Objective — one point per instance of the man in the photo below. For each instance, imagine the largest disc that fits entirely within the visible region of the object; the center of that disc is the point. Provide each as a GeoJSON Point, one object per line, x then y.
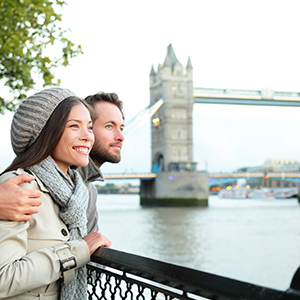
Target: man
{"type": "Point", "coordinates": [108, 127]}
{"type": "Point", "coordinates": [18, 204]}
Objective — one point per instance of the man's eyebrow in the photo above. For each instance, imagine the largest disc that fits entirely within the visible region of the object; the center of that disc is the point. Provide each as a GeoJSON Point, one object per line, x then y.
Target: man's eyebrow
{"type": "Point", "coordinates": [114, 123]}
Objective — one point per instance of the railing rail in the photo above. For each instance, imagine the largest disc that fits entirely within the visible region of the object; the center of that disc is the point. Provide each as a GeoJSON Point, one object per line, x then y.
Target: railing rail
{"type": "Point", "coordinates": [118, 275]}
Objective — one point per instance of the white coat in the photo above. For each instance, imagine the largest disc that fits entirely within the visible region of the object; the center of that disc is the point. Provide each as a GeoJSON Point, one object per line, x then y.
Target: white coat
{"type": "Point", "coordinates": [30, 266]}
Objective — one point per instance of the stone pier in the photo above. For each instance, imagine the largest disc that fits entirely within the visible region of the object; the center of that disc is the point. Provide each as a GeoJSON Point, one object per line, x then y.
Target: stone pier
{"type": "Point", "coordinates": [175, 189]}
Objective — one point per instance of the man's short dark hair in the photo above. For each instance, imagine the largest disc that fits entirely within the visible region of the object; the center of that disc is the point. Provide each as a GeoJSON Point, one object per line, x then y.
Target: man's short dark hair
{"type": "Point", "coordinates": [106, 97]}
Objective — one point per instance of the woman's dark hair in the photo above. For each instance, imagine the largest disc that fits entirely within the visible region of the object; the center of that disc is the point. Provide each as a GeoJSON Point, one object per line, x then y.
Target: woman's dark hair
{"type": "Point", "coordinates": [49, 136]}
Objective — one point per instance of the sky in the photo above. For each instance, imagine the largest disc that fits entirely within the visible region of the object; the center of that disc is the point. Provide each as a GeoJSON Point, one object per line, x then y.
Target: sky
{"type": "Point", "coordinates": [232, 44]}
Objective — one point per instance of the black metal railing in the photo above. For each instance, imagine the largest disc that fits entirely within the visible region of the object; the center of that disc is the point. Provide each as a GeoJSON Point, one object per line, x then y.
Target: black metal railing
{"type": "Point", "coordinates": [118, 275]}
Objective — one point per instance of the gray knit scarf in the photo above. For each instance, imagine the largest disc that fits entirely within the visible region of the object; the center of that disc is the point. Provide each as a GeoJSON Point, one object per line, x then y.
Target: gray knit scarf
{"type": "Point", "coordinates": [72, 197]}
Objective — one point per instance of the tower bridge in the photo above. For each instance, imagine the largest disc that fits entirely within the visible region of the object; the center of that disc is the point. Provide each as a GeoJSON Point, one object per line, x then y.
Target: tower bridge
{"type": "Point", "coordinates": [172, 132]}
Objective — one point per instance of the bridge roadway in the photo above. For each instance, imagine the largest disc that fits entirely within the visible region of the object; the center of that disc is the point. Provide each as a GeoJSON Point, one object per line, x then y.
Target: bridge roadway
{"type": "Point", "coordinates": [265, 97]}
{"type": "Point", "coordinates": [145, 176]}
{"type": "Point", "coordinates": [217, 179]}
{"type": "Point", "coordinates": [152, 176]}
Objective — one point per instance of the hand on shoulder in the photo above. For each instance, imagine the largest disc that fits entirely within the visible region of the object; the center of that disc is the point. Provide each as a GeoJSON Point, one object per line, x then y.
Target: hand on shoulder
{"type": "Point", "coordinates": [17, 203]}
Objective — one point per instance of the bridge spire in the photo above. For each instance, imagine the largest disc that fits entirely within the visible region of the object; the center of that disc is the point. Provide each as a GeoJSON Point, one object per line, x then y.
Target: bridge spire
{"type": "Point", "coordinates": [189, 69]}
{"type": "Point", "coordinates": [189, 64]}
{"type": "Point", "coordinates": [152, 72]}
{"type": "Point", "coordinates": [172, 56]}
{"type": "Point", "coordinates": [152, 76]}
{"type": "Point", "coordinates": [167, 62]}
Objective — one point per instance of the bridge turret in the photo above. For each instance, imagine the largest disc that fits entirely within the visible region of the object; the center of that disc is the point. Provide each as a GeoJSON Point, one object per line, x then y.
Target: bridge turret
{"type": "Point", "coordinates": [172, 140]}
{"type": "Point", "coordinates": [152, 76]}
{"type": "Point", "coordinates": [189, 69]}
{"type": "Point", "coordinates": [166, 70]}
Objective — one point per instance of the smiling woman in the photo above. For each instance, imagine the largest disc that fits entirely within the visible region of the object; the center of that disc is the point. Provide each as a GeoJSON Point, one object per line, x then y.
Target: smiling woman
{"type": "Point", "coordinates": [76, 141]}
{"type": "Point", "coordinates": [43, 131]}
{"type": "Point", "coordinates": [51, 131]}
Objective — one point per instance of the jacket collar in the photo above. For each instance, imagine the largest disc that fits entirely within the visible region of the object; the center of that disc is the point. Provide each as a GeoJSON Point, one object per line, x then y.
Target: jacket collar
{"type": "Point", "coordinates": [40, 184]}
{"type": "Point", "coordinates": [90, 173]}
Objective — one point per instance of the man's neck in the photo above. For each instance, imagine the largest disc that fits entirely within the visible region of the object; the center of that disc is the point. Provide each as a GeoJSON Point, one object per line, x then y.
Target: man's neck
{"type": "Point", "coordinates": [98, 164]}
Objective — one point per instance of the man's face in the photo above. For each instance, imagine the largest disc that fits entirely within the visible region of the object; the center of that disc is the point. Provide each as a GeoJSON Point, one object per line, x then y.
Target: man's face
{"type": "Point", "coordinates": [108, 129]}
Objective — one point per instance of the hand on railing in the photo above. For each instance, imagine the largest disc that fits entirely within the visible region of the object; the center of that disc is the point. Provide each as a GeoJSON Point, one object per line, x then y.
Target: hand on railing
{"type": "Point", "coordinates": [95, 239]}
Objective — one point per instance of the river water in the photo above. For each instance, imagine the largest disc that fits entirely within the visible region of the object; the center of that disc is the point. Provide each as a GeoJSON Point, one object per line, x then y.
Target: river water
{"type": "Point", "coordinates": [253, 240]}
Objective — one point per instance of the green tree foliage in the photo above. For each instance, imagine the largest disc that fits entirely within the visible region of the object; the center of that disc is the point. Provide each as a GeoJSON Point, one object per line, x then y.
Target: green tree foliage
{"type": "Point", "coordinates": [29, 29]}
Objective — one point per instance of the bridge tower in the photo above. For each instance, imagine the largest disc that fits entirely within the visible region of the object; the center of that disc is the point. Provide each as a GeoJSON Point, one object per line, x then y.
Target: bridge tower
{"type": "Point", "coordinates": [177, 181]}
{"type": "Point", "coordinates": [172, 133]}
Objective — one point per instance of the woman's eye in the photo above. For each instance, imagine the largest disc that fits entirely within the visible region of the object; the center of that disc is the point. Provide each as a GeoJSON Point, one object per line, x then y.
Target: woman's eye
{"type": "Point", "coordinates": [109, 126]}
{"type": "Point", "coordinates": [74, 125]}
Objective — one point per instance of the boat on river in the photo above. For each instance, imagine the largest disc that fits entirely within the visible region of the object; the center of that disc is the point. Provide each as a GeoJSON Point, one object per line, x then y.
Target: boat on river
{"type": "Point", "coordinates": [261, 193]}
{"type": "Point", "coordinates": [246, 193]}
{"type": "Point", "coordinates": [280, 193]}
{"type": "Point", "coordinates": [234, 193]}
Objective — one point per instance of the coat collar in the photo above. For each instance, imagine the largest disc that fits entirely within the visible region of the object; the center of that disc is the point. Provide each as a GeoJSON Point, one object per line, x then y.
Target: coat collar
{"type": "Point", "coordinates": [90, 173]}
{"type": "Point", "coordinates": [40, 184]}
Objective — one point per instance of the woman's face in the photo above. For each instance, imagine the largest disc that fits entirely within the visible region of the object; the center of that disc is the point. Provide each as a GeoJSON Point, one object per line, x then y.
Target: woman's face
{"type": "Point", "coordinates": [77, 140]}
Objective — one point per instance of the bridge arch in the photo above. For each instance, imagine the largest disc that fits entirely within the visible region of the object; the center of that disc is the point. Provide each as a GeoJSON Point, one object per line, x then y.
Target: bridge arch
{"type": "Point", "coordinates": [159, 163]}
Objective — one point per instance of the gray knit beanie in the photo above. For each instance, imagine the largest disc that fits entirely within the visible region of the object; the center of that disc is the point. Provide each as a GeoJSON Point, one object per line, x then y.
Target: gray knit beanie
{"type": "Point", "coordinates": [32, 115]}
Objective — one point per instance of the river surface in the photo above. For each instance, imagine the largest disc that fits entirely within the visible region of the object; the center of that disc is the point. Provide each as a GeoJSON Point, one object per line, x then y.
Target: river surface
{"type": "Point", "coordinates": [253, 240]}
